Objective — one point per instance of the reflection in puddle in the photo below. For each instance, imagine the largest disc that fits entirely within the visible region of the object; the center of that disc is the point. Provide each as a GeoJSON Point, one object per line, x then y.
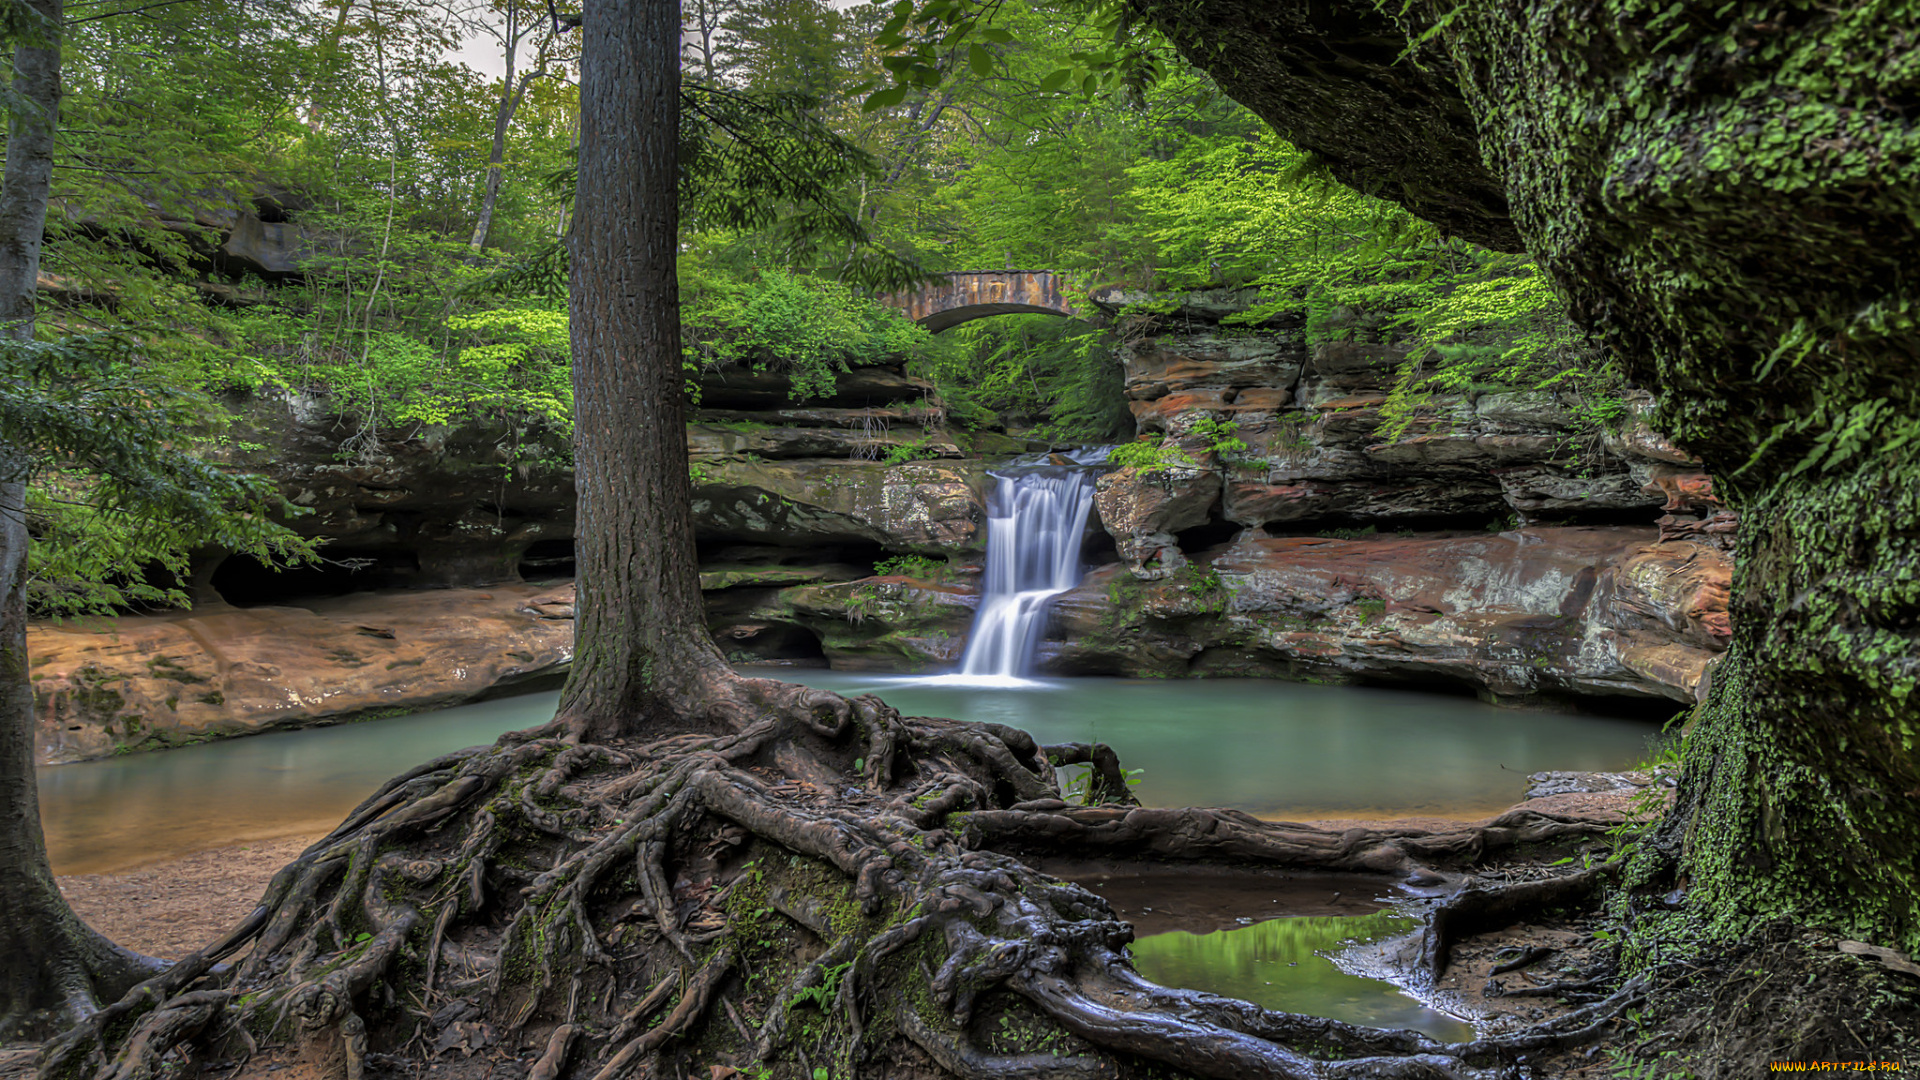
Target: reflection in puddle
{"type": "Point", "coordinates": [1274, 964]}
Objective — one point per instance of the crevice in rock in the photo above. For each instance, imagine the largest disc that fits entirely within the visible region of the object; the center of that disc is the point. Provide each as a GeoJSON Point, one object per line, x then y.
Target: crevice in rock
{"type": "Point", "coordinates": [1634, 516]}
{"type": "Point", "coordinates": [243, 581]}
{"type": "Point", "coordinates": [784, 643]}
{"type": "Point", "coordinates": [547, 560]}
{"type": "Point", "coordinates": [1214, 532]}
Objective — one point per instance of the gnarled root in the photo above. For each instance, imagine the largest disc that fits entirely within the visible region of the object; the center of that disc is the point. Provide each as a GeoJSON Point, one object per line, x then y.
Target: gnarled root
{"type": "Point", "coordinates": [1475, 910]}
{"type": "Point", "coordinates": [821, 888]}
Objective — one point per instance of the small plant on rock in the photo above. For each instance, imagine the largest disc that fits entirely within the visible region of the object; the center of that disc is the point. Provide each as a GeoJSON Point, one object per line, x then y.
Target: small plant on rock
{"type": "Point", "coordinates": [1151, 455]}
{"type": "Point", "coordinates": [901, 453]}
{"type": "Point", "coordinates": [911, 566]}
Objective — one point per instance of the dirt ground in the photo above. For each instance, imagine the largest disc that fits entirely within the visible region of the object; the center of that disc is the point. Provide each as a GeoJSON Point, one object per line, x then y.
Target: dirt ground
{"type": "Point", "coordinates": [169, 909]}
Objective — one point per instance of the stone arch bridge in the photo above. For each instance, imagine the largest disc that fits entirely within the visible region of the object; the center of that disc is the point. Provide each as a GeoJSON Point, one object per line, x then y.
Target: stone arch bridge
{"type": "Point", "coordinates": [964, 297]}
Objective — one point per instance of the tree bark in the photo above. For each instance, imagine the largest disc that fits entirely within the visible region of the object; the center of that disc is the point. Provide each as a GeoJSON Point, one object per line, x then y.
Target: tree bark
{"type": "Point", "coordinates": [511, 93]}
{"type": "Point", "coordinates": [53, 968]}
{"type": "Point", "coordinates": [645, 660]}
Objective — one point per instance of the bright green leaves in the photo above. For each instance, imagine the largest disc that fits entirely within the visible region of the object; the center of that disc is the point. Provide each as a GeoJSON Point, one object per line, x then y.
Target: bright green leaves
{"type": "Point", "coordinates": [515, 359]}
{"type": "Point", "coordinates": [1061, 371]}
{"type": "Point", "coordinates": [807, 328]}
{"type": "Point", "coordinates": [1151, 455]}
{"type": "Point", "coordinates": [926, 42]}
{"type": "Point", "coordinates": [112, 453]}
{"type": "Point", "coordinates": [886, 99]}
{"type": "Point", "coordinates": [980, 59]}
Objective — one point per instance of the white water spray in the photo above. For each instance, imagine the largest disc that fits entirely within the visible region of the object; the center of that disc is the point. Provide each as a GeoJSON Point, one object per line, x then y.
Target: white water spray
{"type": "Point", "coordinates": [1035, 522]}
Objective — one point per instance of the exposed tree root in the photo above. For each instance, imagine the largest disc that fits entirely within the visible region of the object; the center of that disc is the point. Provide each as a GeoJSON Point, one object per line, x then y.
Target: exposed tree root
{"type": "Point", "coordinates": [1475, 910]}
{"type": "Point", "coordinates": [822, 888]}
{"type": "Point", "coordinates": [1052, 826]}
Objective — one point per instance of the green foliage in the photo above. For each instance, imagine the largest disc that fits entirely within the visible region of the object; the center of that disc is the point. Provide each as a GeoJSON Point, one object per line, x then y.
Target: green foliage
{"type": "Point", "coordinates": [1259, 213]}
{"type": "Point", "coordinates": [1150, 455]}
{"type": "Point", "coordinates": [821, 996]}
{"type": "Point", "coordinates": [1222, 437]}
{"type": "Point", "coordinates": [106, 445]}
{"type": "Point", "coordinates": [764, 174]}
{"type": "Point", "coordinates": [901, 453]}
{"type": "Point", "coordinates": [808, 328]}
{"type": "Point", "coordinates": [1081, 783]}
{"type": "Point", "coordinates": [488, 361]}
{"type": "Point", "coordinates": [1061, 372]}
{"type": "Point", "coordinates": [919, 567]}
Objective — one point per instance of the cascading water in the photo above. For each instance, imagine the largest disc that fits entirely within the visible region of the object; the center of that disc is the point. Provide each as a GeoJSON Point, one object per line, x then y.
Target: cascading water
{"type": "Point", "coordinates": [1035, 522]}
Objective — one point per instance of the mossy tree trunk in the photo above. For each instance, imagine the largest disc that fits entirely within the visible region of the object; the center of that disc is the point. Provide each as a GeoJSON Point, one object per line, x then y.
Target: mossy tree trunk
{"type": "Point", "coordinates": [1729, 197]}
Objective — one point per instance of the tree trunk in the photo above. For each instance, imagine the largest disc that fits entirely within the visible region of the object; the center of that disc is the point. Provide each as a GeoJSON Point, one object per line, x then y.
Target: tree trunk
{"type": "Point", "coordinates": [53, 969]}
{"type": "Point", "coordinates": [510, 94]}
{"type": "Point", "coordinates": [645, 660]}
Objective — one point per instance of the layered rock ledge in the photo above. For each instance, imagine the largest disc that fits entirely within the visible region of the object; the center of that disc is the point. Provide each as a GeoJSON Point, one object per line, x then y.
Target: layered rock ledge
{"type": "Point", "coordinates": [112, 685]}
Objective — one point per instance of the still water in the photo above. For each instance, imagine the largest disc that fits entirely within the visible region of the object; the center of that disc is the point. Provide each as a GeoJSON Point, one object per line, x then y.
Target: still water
{"type": "Point", "coordinates": [1216, 930]}
{"type": "Point", "coordinates": [1280, 749]}
{"type": "Point", "coordinates": [1280, 964]}
{"type": "Point", "coordinates": [1271, 748]}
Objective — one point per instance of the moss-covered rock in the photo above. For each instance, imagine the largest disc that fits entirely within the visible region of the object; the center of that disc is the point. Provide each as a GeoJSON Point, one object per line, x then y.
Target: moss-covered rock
{"type": "Point", "coordinates": [886, 623]}
{"type": "Point", "coordinates": [1728, 196]}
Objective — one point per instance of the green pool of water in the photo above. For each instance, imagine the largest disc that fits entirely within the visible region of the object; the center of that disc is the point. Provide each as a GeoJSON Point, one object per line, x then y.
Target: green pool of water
{"type": "Point", "coordinates": [1283, 749]}
{"type": "Point", "coordinates": [1271, 748]}
{"type": "Point", "coordinates": [1277, 964]}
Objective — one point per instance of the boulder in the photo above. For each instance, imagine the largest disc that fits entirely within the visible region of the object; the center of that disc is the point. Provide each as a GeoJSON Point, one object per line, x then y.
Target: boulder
{"type": "Point", "coordinates": [707, 442]}
{"type": "Point", "coordinates": [922, 506]}
{"type": "Point", "coordinates": [883, 623]}
{"type": "Point", "coordinates": [447, 505]}
{"type": "Point", "coordinates": [861, 388]}
{"type": "Point", "coordinates": [1142, 509]}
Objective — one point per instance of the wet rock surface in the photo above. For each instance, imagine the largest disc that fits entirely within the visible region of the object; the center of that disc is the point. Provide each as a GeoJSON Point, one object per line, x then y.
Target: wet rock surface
{"type": "Point", "coordinates": [1543, 785]}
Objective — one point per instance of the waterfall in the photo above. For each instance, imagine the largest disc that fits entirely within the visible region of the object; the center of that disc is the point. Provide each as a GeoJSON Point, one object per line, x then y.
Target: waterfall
{"type": "Point", "coordinates": [1035, 522]}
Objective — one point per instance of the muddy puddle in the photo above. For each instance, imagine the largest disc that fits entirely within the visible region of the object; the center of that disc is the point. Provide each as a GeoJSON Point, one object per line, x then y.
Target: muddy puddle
{"type": "Point", "coordinates": [1266, 938]}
